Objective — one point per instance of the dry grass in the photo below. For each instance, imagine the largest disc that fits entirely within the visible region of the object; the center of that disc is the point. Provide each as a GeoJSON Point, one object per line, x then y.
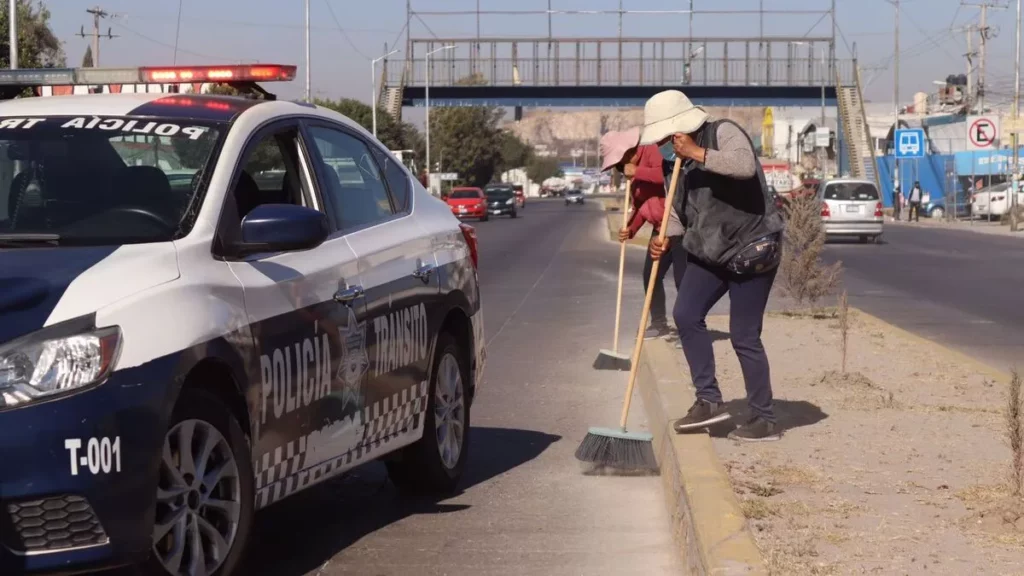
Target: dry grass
{"type": "Point", "coordinates": [844, 325]}
{"type": "Point", "coordinates": [1015, 434]}
{"type": "Point", "coordinates": [802, 275]}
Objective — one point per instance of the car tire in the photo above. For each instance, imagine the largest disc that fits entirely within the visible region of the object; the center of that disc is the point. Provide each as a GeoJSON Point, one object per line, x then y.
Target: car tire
{"type": "Point", "coordinates": [421, 467]}
{"type": "Point", "coordinates": [202, 415]}
{"type": "Point", "coordinates": [937, 213]}
{"type": "Point", "coordinates": [513, 214]}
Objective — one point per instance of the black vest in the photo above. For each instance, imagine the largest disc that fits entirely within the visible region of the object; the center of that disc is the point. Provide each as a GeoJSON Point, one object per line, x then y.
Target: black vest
{"type": "Point", "coordinates": [722, 215]}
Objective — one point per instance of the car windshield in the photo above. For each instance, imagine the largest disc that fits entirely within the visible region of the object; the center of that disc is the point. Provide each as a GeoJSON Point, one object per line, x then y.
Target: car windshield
{"type": "Point", "coordinates": [463, 194]}
{"type": "Point", "coordinates": [101, 180]}
{"type": "Point", "coordinates": [850, 191]}
{"type": "Point", "coordinates": [498, 194]}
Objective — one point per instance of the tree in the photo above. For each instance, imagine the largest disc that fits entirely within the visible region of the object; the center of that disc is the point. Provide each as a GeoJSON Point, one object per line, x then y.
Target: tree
{"type": "Point", "coordinates": [802, 274]}
{"type": "Point", "coordinates": [467, 140]}
{"type": "Point", "coordinates": [38, 46]}
{"type": "Point", "coordinates": [542, 168]}
{"type": "Point", "coordinates": [87, 59]}
{"type": "Point", "coordinates": [514, 152]}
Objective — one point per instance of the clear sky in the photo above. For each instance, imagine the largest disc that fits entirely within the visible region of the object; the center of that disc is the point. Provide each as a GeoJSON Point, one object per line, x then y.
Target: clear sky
{"type": "Point", "coordinates": [215, 31]}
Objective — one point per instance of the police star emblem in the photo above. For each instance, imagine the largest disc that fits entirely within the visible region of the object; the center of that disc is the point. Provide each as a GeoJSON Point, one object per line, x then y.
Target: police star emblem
{"type": "Point", "coordinates": [354, 360]}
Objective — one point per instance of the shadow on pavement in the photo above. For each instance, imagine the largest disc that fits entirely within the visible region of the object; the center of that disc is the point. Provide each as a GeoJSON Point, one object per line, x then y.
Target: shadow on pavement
{"type": "Point", "coordinates": [302, 533]}
{"type": "Point", "coordinates": [790, 413]}
{"type": "Point", "coordinates": [715, 335]}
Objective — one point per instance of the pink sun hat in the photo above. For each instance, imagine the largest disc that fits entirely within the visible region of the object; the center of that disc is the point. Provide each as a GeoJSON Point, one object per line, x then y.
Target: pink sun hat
{"type": "Point", "coordinates": [614, 146]}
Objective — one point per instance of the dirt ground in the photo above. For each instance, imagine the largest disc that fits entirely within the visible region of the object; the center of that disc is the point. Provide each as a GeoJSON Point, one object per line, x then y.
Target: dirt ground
{"type": "Point", "coordinates": [898, 466]}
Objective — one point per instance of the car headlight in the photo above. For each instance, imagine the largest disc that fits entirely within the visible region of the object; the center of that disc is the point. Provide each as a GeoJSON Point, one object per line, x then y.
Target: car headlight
{"type": "Point", "coordinates": [510, 201]}
{"type": "Point", "coordinates": [37, 366]}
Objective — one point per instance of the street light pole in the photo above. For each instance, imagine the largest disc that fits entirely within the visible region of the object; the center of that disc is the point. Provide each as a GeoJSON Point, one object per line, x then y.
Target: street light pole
{"type": "Point", "coordinates": [308, 76]}
{"type": "Point", "coordinates": [373, 86]}
{"type": "Point", "coordinates": [12, 16]}
{"type": "Point", "coordinates": [426, 99]}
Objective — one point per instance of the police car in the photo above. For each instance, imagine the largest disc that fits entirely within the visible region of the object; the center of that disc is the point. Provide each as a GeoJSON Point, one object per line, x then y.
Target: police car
{"type": "Point", "coordinates": [207, 305]}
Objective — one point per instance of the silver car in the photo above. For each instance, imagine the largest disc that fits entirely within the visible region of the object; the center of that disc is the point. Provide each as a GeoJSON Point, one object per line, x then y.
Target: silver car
{"type": "Point", "coordinates": [851, 208]}
{"type": "Point", "coordinates": [574, 197]}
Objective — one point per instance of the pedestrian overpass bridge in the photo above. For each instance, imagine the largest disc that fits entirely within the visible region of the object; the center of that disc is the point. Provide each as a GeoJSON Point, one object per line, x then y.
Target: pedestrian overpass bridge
{"type": "Point", "coordinates": [626, 71]}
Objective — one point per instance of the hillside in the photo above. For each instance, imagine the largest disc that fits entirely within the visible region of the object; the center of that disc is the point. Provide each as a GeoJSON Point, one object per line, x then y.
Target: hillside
{"type": "Point", "coordinates": [564, 130]}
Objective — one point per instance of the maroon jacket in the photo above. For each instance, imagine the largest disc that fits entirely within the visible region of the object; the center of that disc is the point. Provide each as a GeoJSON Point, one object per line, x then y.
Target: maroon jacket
{"type": "Point", "coordinates": [648, 182]}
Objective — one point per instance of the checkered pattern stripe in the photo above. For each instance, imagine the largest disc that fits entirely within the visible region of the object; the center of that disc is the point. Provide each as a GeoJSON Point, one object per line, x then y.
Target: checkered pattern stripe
{"type": "Point", "coordinates": [280, 473]}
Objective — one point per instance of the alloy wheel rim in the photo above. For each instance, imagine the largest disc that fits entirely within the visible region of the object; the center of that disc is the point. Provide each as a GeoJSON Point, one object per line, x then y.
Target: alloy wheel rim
{"type": "Point", "coordinates": [198, 500]}
{"type": "Point", "coordinates": [449, 411]}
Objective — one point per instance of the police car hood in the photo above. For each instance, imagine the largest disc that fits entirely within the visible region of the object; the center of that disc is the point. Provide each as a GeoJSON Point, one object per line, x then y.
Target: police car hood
{"type": "Point", "coordinates": [43, 286]}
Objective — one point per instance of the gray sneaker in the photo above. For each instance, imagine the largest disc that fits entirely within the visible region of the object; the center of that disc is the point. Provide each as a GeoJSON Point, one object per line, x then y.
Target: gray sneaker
{"type": "Point", "coordinates": [756, 429]}
{"type": "Point", "coordinates": [701, 415]}
{"type": "Point", "coordinates": [657, 331]}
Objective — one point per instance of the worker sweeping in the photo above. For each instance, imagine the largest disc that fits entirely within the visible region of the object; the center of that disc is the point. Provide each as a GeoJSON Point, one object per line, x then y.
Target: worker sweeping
{"type": "Point", "coordinates": [733, 237]}
{"type": "Point", "coordinates": [644, 165]}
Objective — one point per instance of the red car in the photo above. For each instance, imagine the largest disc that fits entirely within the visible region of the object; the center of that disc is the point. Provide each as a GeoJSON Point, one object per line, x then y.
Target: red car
{"type": "Point", "coordinates": [520, 196]}
{"type": "Point", "coordinates": [468, 203]}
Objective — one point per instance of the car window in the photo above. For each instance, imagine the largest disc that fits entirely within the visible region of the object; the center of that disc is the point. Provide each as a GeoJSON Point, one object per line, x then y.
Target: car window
{"type": "Point", "coordinates": [270, 173]}
{"type": "Point", "coordinates": [462, 194]}
{"type": "Point", "coordinates": [397, 178]}
{"type": "Point", "coordinates": [354, 181]}
{"type": "Point", "coordinates": [500, 194]}
{"type": "Point", "coordinates": [851, 191]}
{"type": "Point", "coordinates": [102, 180]}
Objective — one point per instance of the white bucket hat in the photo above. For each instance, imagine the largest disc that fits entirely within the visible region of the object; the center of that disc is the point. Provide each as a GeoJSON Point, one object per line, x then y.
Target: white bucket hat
{"type": "Point", "coordinates": [670, 112]}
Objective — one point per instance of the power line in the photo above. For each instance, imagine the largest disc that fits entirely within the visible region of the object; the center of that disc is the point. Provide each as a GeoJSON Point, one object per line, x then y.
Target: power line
{"type": "Point", "coordinates": [182, 50]}
{"type": "Point", "coordinates": [343, 34]}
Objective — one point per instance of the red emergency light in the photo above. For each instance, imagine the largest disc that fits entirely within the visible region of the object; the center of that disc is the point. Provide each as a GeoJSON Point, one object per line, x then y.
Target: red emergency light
{"type": "Point", "coordinates": [147, 75]}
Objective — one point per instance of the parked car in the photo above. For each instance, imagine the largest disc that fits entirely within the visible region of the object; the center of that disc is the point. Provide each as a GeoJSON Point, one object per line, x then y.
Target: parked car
{"type": "Point", "coordinates": [851, 208]}
{"type": "Point", "coordinates": [468, 202]}
{"type": "Point", "coordinates": [171, 364]}
{"type": "Point", "coordinates": [992, 201]}
{"type": "Point", "coordinates": [501, 201]}
{"type": "Point", "coordinates": [573, 197]}
{"type": "Point", "coordinates": [520, 195]}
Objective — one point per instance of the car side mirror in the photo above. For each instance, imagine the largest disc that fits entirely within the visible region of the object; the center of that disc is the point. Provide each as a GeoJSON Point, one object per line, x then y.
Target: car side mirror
{"type": "Point", "coordinates": [282, 228]}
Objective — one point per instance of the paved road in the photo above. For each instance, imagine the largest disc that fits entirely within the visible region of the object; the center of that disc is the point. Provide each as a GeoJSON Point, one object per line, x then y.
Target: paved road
{"type": "Point", "coordinates": [525, 506]}
{"type": "Point", "coordinates": [953, 286]}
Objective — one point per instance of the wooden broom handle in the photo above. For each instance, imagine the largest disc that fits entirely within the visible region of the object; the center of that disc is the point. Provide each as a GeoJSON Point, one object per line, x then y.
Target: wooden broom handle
{"type": "Point", "coordinates": [622, 262]}
{"type": "Point", "coordinates": [635, 364]}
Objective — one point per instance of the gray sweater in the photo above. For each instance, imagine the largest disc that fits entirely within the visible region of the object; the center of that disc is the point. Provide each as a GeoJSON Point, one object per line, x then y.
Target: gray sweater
{"type": "Point", "coordinates": [734, 159]}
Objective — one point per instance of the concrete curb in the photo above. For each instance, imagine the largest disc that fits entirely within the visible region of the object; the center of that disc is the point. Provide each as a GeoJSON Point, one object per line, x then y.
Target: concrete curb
{"type": "Point", "coordinates": [706, 517]}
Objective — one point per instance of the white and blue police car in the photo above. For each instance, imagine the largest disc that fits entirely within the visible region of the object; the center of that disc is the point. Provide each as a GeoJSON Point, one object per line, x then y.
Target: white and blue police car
{"type": "Point", "coordinates": [208, 304]}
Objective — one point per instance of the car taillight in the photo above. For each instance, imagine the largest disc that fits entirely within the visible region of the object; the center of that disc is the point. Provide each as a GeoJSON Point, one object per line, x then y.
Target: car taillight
{"type": "Point", "coordinates": [878, 210]}
{"type": "Point", "coordinates": [469, 233]}
{"type": "Point", "coordinates": [825, 212]}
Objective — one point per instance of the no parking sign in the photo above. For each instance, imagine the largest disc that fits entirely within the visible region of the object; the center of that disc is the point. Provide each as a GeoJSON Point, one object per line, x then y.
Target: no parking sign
{"type": "Point", "coordinates": [982, 132]}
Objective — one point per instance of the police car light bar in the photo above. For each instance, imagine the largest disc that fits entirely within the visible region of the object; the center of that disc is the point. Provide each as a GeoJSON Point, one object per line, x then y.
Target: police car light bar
{"type": "Point", "coordinates": [147, 75]}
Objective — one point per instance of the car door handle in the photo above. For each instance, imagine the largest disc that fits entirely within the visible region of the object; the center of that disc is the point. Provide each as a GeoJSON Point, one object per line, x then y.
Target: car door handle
{"type": "Point", "coordinates": [349, 294]}
{"type": "Point", "coordinates": [424, 272]}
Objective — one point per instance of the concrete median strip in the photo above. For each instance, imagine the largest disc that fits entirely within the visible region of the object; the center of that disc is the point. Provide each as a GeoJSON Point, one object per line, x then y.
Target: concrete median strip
{"type": "Point", "coordinates": [708, 522]}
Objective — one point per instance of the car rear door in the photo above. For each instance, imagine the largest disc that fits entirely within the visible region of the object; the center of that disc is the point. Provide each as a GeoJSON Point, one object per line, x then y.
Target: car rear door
{"type": "Point", "coordinates": [398, 272]}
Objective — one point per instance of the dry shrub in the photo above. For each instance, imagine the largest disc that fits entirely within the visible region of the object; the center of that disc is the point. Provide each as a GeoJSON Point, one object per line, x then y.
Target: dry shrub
{"type": "Point", "coordinates": [1015, 434]}
{"type": "Point", "coordinates": [843, 314]}
{"type": "Point", "coordinates": [804, 277]}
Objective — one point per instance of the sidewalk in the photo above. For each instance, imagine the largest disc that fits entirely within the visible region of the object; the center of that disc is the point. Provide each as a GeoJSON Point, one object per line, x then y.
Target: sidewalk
{"type": "Point", "coordinates": [977, 226]}
{"type": "Point", "coordinates": [896, 466]}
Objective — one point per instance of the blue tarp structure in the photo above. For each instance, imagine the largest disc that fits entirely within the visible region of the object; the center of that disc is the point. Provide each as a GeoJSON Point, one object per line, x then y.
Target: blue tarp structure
{"type": "Point", "coordinates": [930, 171]}
{"type": "Point", "coordinates": [985, 162]}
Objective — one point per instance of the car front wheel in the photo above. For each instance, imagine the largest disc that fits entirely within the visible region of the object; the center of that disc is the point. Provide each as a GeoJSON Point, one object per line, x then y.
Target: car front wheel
{"type": "Point", "coordinates": [436, 461]}
{"type": "Point", "coordinates": [205, 499]}
{"type": "Point", "coordinates": [937, 213]}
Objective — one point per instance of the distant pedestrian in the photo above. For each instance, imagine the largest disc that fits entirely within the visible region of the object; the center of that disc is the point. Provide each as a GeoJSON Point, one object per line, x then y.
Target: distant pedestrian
{"type": "Point", "coordinates": [733, 238]}
{"type": "Point", "coordinates": [644, 165]}
{"type": "Point", "coordinates": [914, 215]}
{"type": "Point", "coordinates": [423, 178]}
{"type": "Point", "coordinates": [897, 201]}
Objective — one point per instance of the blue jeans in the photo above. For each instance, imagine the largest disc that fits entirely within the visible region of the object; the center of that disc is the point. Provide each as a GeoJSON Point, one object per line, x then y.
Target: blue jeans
{"type": "Point", "coordinates": [701, 288]}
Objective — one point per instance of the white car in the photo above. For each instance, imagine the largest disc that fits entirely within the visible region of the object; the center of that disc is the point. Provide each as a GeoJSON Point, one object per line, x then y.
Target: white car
{"type": "Point", "coordinates": [172, 361]}
{"type": "Point", "coordinates": [992, 201]}
{"type": "Point", "coordinates": [851, 208]}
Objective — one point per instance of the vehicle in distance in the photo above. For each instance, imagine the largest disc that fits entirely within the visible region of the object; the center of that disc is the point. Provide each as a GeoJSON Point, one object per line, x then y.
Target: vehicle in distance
{"type": "Point", "coordinates": [501, 201]}
{"type": "Point", "coordinates": [173, 360]}
{"type": "Point", "coordinates": [574, 196]}
{"type": "Point", "coordinates": [851, 208]}
{"type": "Point", "coordinates": [520, 196]}
{"type": "Point", "coordinates": [468, 202]}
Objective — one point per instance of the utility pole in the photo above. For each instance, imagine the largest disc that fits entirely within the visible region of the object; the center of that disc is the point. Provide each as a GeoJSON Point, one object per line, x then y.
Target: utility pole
{"type": "Point", "coordinates": [308, 71]}
{"type": "Point", "coordinates": [97, 14]}
{"type": "Point", "coordinates": [1014, 223]}
{"type": "Point", "coordinates": [896, 70]}
{"type": "Point", "coordinates": [985, 33]}
{"type": "Point", "coordinates": [970, 64]}
{"type": "Point", "coordinates": [12, 16]}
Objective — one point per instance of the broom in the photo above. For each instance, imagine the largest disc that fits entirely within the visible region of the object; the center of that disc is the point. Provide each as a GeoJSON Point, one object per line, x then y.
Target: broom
{"type": "Point", "coordinates": [613, 359]}
{"type": "Point", "coordinates": [617, 447]}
